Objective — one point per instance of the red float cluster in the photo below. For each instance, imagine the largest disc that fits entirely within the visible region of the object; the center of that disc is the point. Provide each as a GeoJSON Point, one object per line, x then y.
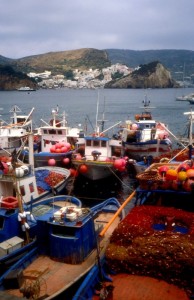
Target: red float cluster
{"type": "Point", "coordinates": [61, 147]}
{"type": "Point", "coordinates": [178, 177]}
{"type": "Point", "coordinates": [168, 176]}
{"type": "Point", "coordinates": [120, 164]}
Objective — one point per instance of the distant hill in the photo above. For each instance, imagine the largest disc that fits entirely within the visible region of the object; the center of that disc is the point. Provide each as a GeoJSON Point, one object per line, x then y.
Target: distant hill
{"type": "Point", "coordinates": [174, 60]}
{"type": "Point", "coordinates": [59, 62]}
{"type": "Point", "coordinates": [152, 75]}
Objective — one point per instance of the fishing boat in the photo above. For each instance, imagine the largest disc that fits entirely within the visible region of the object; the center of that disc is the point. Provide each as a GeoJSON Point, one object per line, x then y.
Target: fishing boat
{"type": "Point", "coordinates": [145, 136]}
{"type": "Point", "coordinates": [182, 98]}
{"type": "Point", "coordinates": [18, 230]}
{"type": "Point", "coordinates": [25, 89]}
{"type": "Point", "coordinates": [54, 142]}
{"type": "Point", "coordinates": [156, 237]}
{"type": "Point", "coordinates": [99, 155]}
{"type": "Point", "coordinates": [13, 134]}
{"type": "Point", "coordinates": [102, 283]}
{"type": "Point", "coordinates": [182, 153]}
{"type": "Point", "coordinates": [185, 97]}
{"type": "Point", "coordinates": [31, 183]}
{"type": "Point", "coordinates": [68, 246]}
{"type": "Point", "coordinates": [150, 252]}
{"type": "Point", "coordinates": [191, 100]}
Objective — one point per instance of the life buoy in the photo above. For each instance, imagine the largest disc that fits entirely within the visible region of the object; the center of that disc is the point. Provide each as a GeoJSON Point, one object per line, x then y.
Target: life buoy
{"type": "Point", "coordinates": [21, 171]}
{"type": "Point", "coordinates": [9, 202]}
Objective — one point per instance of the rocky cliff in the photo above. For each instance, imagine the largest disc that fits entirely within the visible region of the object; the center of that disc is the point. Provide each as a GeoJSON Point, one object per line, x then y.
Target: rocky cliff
{"type": "Point", "coordinates": [11, 80]}
{"type": "Point", "coordinates": [152, 75]}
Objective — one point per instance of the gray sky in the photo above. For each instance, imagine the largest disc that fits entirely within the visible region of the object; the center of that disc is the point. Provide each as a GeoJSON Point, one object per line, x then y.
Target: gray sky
{"type": "Point", "coordinates": [29, 27]}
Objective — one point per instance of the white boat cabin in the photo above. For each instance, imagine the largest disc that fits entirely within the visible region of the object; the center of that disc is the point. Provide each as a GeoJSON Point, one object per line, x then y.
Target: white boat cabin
{"type": "Point", "coordinates": [99, 148]}
{"type": "Point", "coordinates": [12, 134]}
{"type": "Point", "coordinates": [50, 136]}
{"type": "Point", "coordinates": [22, 182]}
{"type": "Point", "coordinates": [143, 131]}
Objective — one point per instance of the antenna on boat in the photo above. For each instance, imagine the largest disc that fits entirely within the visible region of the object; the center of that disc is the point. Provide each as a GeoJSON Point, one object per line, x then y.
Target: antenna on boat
{"type": "Point", "coordinates": [102, 122]}
{"type": "Point", "coordinates": [97, 107]}
{"type": "Point", "coordinates": [90, 122]}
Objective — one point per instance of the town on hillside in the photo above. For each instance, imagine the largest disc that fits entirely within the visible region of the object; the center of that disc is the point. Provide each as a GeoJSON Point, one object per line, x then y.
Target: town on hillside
{"type": "Point", "coordinates": [81, 79]}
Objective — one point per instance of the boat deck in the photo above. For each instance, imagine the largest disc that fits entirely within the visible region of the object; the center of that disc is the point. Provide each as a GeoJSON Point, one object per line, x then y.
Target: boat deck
{"type": "Point", "coordinates": [55, 277]}
{"type": "Point", "coordinates": [132, 287]}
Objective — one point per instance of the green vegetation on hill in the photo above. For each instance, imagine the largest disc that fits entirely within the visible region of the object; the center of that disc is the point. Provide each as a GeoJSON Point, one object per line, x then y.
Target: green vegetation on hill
{"type": "Point", "coordinates": [59, 62]}
{"type": "Point", "coordinates": [174, 60]}
{"type": "Point", "coordinates": [9, 71]}
{"type": "Point", "coordinates": [11, 79]}
{"type": "Point", "coordinates": [145, 70]}
{"type": "Point", "coordinates": [65, 62]}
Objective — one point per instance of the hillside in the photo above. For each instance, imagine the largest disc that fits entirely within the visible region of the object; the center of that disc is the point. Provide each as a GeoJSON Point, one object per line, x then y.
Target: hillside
{"type": "Point", "coordinates": [12, 80]}
{"type": "Point", "coordinates": [174, 60]}
{"type": "Point", "coordinates": [152, 75]}
{"type": "Point", "coordinates": [57, 62]}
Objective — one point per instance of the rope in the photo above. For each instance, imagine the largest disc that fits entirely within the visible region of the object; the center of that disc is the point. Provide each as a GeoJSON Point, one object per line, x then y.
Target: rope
{"type": "Point", "coordinates": [102, 233]}
{"type": "Point", "coordinates": [123, 183]}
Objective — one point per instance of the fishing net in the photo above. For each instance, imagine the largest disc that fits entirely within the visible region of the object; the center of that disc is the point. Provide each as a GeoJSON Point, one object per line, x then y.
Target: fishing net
{"type": "Point", "coordinates": [157, 242]}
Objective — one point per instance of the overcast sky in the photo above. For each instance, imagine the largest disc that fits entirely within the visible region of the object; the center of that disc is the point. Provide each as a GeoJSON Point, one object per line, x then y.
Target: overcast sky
{"type": "Point", "coordinates": [29, 27]}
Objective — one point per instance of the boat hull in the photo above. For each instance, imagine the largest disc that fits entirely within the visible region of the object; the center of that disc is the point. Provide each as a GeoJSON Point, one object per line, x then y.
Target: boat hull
{"type": "Point", "coordinates": [60, 273]}
{"type": "Point", "coordinates": [95, 170]}
{"type": "Point", "coordinates": [41, 159]}
{"type": "Point", "coordinates": [154, 148]}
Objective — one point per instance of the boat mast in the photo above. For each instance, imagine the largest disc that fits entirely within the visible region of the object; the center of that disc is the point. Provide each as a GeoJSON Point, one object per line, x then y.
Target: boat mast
{"type": "Point", "coordinates": [190, 135]}
{"type": "Point", "coordinates": [15, 109]}
{"type": "Point", "coordinates": [102, 122]}
{"type": "Point", "coordinates": [54, 114]}
{"type": "Point", "coordinates": [28, 117]}
{"type": "Point", "coordinates": [97, 107]}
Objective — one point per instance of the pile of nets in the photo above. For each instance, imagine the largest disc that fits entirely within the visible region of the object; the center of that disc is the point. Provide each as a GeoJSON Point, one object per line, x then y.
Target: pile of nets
{"type": "Point", "coordinates": [46, 179]}
{"type": "Point", "coordinates": [157, 242]}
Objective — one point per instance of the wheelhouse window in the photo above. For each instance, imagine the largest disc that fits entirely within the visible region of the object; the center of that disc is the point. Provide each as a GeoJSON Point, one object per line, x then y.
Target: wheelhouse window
{"type": "Point", "coordinates": [31, 187]}
{"type": "Point", "coordinates": [52, 131]}
{"type": "Point", "coordinates": [103, 143]}
{"type": "Point", "coordinates": [22, 190]}
{"type": "Point", "coordinates": [96, 143]}
{"type": "Point", "coordinates": [88, 143]}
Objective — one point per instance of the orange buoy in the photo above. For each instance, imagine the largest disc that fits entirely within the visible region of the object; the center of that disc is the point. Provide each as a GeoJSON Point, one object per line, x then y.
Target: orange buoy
{"type": "Point", "coordinates": [83, 169]}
